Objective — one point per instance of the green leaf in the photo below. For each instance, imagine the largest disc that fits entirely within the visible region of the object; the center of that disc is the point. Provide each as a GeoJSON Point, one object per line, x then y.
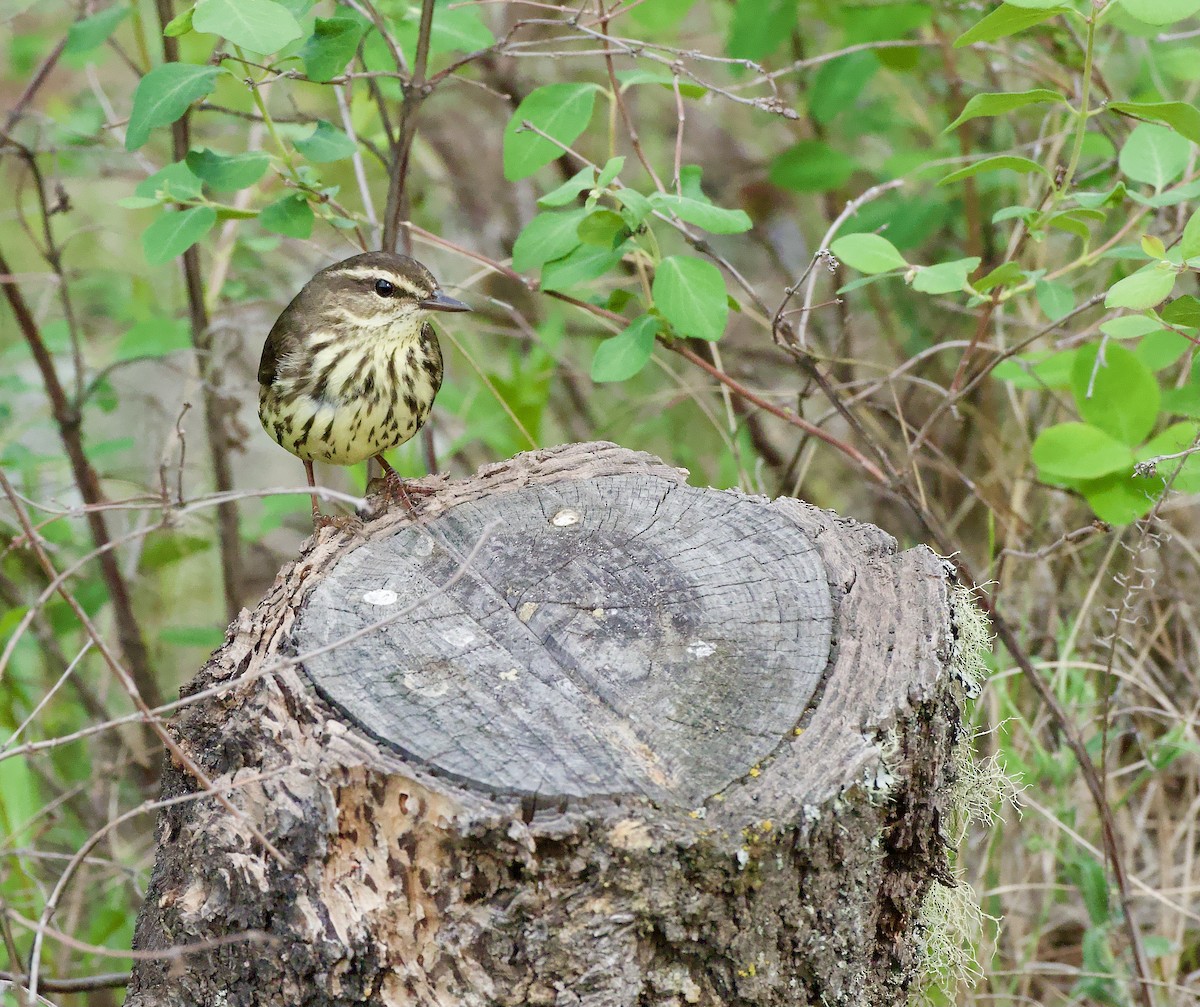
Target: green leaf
{"type": "Point", "coordinates": [1179, 62]}
{"type": "Point", "coordinates": [1005, 273]}
{"type": "Point", "coordinates": [1177, 437]}
{"type": "Point", "coordinates": [548, 236]}
{"type": "Point", "coordinates": [623, 355]}
{"type": "Point", "coordinates": [454, 29]}
{"type": "Point", "coordinates": [331, 46]}
{"type": "Point", "coordinates": [612, 168]}
{"type": "Point", "coordinates": [163, 95]}
{"type": "Point", "coordinates": [811, 166]}
{"type": "Point", "coordinates": [175, 232]}
{"type": "Point", "coordinates": [605, 228]}
{"type": "Point", "coordinates": [326, 143]}
{"type": "Point", "coordinates": [1039, 369]}
{"type": "Point", "coordinates": [1004, 101]}
{"type": "Point", "coordinates": [838, 83]}
{"type": "Point", "coordinates": [1079, 451]}
{"type": "Point", "coordinates": [1056, 300]}
{"type": "Point", "coordinates": [658, 15]}
{"type": "Point", "coordinates": [1143, 289]}
{"type": "Point", "coordinates": [289, 215]}
{"type": "Point", "coordinates": [1180, 116]}
{"type": "Point", "coordinates": [20, 799]}
{"type": "Point", "coordinates": [1185, 400]}
{"type": "Point", "coordinates": [174, 183]}
{"type": "Point", "coordinates": [227, 172]}
{"type": "Point", "coordinates": [1115, 392]}
{"type": "Point", "coordinates": [1160, 12]}
{"type": "Point", "coordinates": [634, 207]}
{"type": "Point", "coordinates": [180, 24]}
{"type": "Point", "coordinates": [154, 337]}
{"type": "Point", "coordinates": [91, 32]}
{"type": "Point", "coordinates": [1183, 311]}
{"type": "Point", "coordinates": [758, 27]}
{"type": "Point", "coordinates": [715, 219]}
{"type": "Point", "coordinates": [868, 253]}
{"type": "Point", "coordinates": [1153, 246]}
{"type": "Point", "coordinates": [1120, 498]}
{"type": "Point", "coordinates": [1007, 19]}
{"type": "Point", "coordinates": [945, 277]}
{"type": "Point", "coordinates": [663, 77]}
{"type": "Point", "coordinates": [585, 263]}
{"type": "Point", "coordinates": [690, 293]}
{"type": "Point", "coordinates": [1129, 326]}
{"type": "Point", "coordinates": [1092, 882]}
{"type": "Point", "coordinates": [581, 181]}
{"type": "Point", "coordinates": [561, 111]}
{"type": "Point", "coordinates": [1155, 155]}
{"type": "Point", "coordinates": [1094, 200]}
{"type": "Point", "coordinates": [1162, 349]}
{"type": "Point", "coordinates": [1189, 244]}
{"type": "Point", "coordinates": [262, 26]}
{"type": "Point", "coordinates": [1002, 162]}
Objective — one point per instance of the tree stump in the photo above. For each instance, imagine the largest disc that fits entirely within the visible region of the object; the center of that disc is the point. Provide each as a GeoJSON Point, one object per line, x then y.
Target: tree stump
{"type": "Point", "coordinates": [578, 734]}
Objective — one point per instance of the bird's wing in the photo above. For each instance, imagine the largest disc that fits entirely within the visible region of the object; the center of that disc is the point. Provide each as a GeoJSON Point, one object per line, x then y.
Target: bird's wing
{"type": "Point", "coordinates": [276, 346]}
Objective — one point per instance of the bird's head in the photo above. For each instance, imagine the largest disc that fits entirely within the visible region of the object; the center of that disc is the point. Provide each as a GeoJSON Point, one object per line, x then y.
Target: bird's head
{"type": "Point", "coordinates": [379, 289]}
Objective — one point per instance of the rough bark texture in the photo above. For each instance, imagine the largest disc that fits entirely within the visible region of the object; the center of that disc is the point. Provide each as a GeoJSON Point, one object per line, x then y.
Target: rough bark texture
{"type": "Point", "coordinates": [618, 741]}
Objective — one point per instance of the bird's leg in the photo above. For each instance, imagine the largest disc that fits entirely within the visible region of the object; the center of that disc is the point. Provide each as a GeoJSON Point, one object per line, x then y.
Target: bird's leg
{"type": "Point", "coordinates": [395, 485]}
{"type": "Point", "coordinates": [345, 523]}
{"type": "Point", "coordinates": [312, 482]}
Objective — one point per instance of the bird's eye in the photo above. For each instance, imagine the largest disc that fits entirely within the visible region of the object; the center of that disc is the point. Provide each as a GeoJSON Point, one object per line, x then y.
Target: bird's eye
{"type": "Point", "coordinates": [384, 288]}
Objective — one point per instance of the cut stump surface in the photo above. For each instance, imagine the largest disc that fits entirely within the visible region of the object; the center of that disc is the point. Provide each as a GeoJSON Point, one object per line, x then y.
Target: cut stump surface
{"type": "Point", "coordinates": [624, 635]}
{"type": "Point", "coordinates": [578, 734]}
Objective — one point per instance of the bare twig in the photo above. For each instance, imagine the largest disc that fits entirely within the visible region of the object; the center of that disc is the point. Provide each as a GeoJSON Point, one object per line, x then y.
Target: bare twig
{"type": "Point", "coordinates": [68, 420]}
{"type": "Point", "coordinates": [415, 91]}
{"type": "Point", "coordinates": [215, 409]}
{"type": "Point", "coordinates": [123, 676]}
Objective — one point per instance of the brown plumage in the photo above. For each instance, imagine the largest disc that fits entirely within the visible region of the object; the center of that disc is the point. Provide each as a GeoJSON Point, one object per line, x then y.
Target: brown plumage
{"type": "Point", "coordinates": [352, 366]}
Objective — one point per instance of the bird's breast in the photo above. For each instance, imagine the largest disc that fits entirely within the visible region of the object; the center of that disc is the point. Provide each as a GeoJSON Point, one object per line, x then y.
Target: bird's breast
{"type": "Point", "coordinates": [352, 399]}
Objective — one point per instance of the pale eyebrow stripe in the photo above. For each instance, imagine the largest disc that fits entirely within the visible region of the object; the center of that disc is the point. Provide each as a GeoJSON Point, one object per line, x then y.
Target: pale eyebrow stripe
{"type": "Point", "coordinates": [380, 274]}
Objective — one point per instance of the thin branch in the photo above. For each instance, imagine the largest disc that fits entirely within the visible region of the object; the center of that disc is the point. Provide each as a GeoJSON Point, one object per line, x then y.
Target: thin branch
{"type": "Point", "coordinates": [35, 84]}
{"type": "Point", "coordinates": [215, 410]}
{"type": "Point", "coordinates": [123, 676]}
{"type": "Point", "coordinates": [849, 450]}
{"type": "Point", "coordinates": [82, 984]}
{"type": "Point", "coordinates": [415, 91]}
{"type": "Point", "coordinates": [68, 420]}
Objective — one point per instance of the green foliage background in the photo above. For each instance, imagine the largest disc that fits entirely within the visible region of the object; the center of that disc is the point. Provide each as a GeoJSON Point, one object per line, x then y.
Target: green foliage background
{"type": "Point", "coordinates": [929, 264]}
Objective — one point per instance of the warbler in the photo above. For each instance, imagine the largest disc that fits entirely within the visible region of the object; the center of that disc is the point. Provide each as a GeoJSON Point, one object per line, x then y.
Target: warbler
{"type": "Point", "coordinates": [351, 367]}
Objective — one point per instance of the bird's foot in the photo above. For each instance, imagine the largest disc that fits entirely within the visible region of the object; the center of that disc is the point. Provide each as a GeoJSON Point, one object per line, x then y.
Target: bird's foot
{"type": "Point", "coordinates": [393, 487]}
{"type": "Point", "coordinates": [342, 522]}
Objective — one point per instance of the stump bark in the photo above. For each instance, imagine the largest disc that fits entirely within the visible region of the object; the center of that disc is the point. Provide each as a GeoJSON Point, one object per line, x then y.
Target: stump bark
{"type": "Point", "coordinates": [578, 734]}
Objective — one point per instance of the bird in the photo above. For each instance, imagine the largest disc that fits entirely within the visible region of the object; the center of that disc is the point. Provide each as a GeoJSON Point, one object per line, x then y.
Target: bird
{"type": "Point", "coordinates": [352, 365]}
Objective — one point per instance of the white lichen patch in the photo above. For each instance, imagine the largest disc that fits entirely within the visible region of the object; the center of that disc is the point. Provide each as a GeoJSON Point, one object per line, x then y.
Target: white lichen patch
{"type": "Point", "coordinates": [950, 920]}
{"type": "Point", "coordinates": [565, 518]}
{"type": "Point", "coordinates": [972, 640]}
{"type": "Point", "coordinates": [880, 779]}
{"type": "Point", "coordinates": [384, 596]}
{"type": "Point", "coordinates": [458, 636]}
{"type": "Point", "coordinates": [526, 609]}
{"type": "Point", "coordinates": [700, 648]}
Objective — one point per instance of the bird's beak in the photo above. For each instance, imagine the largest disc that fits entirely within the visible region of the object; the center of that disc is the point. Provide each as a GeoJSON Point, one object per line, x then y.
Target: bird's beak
{"type": "Point", "coordinates": [443, 302]}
